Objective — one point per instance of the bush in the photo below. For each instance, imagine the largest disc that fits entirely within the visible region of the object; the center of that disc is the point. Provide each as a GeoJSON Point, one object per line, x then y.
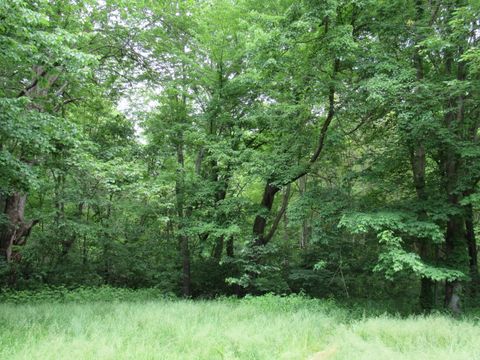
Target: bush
{"type": "Point", "coordinates": [82, 294]}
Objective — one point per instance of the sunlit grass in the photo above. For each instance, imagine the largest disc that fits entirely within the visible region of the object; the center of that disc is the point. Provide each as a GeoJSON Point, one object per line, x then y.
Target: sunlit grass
{"type": "Point", "coordinates": [256, 328]}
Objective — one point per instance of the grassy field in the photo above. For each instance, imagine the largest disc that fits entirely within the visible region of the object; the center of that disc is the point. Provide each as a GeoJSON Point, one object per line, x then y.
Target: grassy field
{"type": "Point", "coordinates": [253, 328]}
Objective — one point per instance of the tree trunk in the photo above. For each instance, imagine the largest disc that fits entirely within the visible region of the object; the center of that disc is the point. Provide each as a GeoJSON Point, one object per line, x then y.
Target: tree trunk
{"type": "Point", "coordinates": [16, 230]}
{"type": "Point", "coordinates": [186, 276]}
{"type": "Point", "coordinates": [218, 248]}
{"type": "Point", "coordinates": [455, 255]}
{"type": "Point", "coordinates": [452, 296]}
{"type": "Point", "coordinates": [418, 162]}
{"type": "Point", "coordinates": [270, 189]}
{"type": "Point", "coordinates": [260, 222]}
{"type": "Point", "coordinates": [304, 235]}
{"type": "Point", "coordinates": [472, 249]}
{"type": "Point", "coordinates": [472, 243]}
{"type": "Point", "coordinates": [220, 195]}
{"type": "Point", "coordinates": [455, 242]}
{"type": "Point", "coordinates": [451, 166]}
{"type": "Point", "coordinates": [183, 239]}
{"type": "Point", "coordinates": [427, 286]}
{"type": "Point", "coordinates": [229, 248]}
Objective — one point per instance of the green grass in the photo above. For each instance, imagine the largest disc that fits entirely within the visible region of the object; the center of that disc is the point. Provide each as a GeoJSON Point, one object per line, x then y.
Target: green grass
{"type": "Point", "coordinates": [254, 328]}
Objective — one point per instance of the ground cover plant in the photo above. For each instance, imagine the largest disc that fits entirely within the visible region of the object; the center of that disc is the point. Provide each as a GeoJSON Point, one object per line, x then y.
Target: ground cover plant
{"type": "Point", "coordinates": [115, 326]}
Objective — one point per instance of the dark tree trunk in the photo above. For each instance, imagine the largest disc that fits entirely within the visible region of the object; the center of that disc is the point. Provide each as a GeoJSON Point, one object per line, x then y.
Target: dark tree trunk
{"type": "Point", "coordinates": [218, 248]}
{"type": "Point", "coordinates": [186, 276]}
{"type": "Point", "coordinates": [220, 195]}
{"type": "Point", "coordinates": [305, 231]}
{"type": "Point", "coordinates": [229, 248]}
{"type": "Point", "coordinates": [260, 222]}
{"type": "Point", "coordinates": [455, 242]}
{"type": "Point", "coordinates": [426, 294]}
{"type": "Point", "coordinates": [472, 247]}
{"type": "Point", "coordinates": [183, 239]}
{"type": "Point", "coordinates": [418, 162]}
{"type": "Point", "coordinates": [16, 230]}
{"type": "Point", "coordinates": [455, 256]}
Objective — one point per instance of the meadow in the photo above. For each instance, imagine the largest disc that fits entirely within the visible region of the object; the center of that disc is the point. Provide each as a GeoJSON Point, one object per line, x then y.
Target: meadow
{"type": "Point", "coordinates": [128, 325]}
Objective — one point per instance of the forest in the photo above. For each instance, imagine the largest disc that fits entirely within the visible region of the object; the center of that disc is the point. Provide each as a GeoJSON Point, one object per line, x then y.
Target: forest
{"type": "Point", "coordinates": [237, 148]}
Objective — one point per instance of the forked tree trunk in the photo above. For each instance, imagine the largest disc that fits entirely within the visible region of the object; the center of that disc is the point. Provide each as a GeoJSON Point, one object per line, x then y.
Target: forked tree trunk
{"type": "Point", "coordinates": [270, 190]}
{"type": "Point", "coordinates": [16, 230]}
{"type": "Point", "coordinates": [260, 222]}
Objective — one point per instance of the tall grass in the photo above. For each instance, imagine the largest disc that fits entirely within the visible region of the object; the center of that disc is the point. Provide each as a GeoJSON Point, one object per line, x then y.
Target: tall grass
{"type": "Point", "coordinates": [253, 328]}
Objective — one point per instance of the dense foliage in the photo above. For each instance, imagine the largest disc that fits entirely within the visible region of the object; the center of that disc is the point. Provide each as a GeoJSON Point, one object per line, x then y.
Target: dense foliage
{"type": "Point", "coordinates": [220, 147]}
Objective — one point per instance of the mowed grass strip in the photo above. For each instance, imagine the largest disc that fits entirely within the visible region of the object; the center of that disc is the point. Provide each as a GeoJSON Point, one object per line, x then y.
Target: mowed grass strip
{"type": "Point", "coordinates": [255, 328]}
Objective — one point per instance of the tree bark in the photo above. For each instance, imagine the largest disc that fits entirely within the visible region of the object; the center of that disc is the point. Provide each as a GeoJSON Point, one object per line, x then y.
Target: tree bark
{"type": "Point", "coordinates": [472, 250]}
{"type": "Point", "coordinates": [418, 162]}
{"type": "Point", "coordinates": [180, 199]}
{"type": "Point", "coordinates": [305, 231]}
{"type": "Point", "coordinates": [17, 229]}
{"type": "Point", "coordinates": [186, 275]}
{"type": "Point", "coordinates": [221, 184]}
{"type": "Point", "coordinates": [260, 222]}
{"type": "Point", "coordinates": [455, 243]}
{"type": "Point", "coordinates": [229, 247]}
{"type": "Point", "coordinates": [218, 248]}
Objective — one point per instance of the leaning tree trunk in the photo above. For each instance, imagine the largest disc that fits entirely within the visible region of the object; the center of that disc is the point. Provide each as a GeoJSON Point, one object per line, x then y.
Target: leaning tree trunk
{"type": "Point", "coordinates": [15, 230]}
{"type": "Point", "coordinates": [260, 222]}
{"type": "Point", "coordinates": [271, 189]}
